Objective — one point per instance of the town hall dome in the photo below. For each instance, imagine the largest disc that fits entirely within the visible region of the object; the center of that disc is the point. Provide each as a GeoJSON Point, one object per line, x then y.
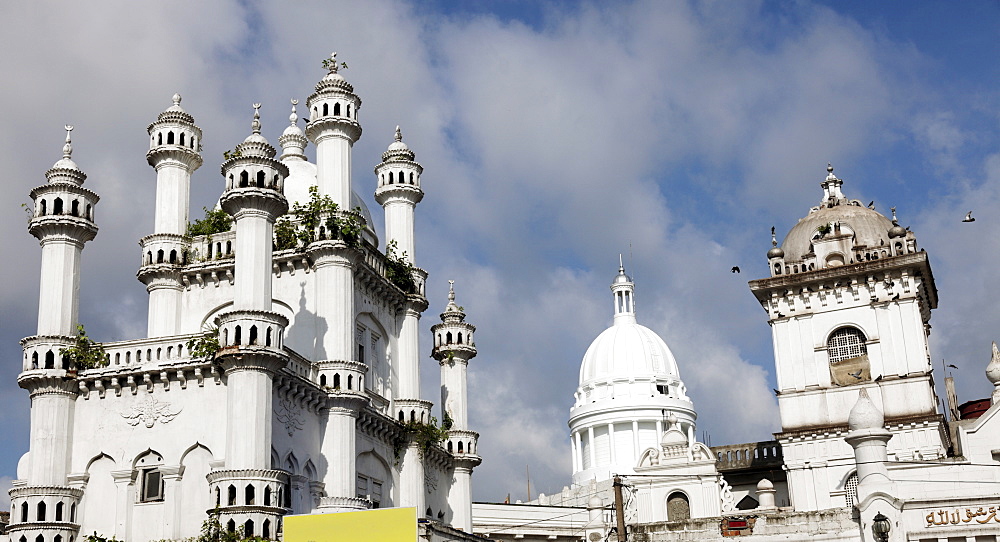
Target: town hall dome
{"type": "Point", "coordinates": [627, 349]}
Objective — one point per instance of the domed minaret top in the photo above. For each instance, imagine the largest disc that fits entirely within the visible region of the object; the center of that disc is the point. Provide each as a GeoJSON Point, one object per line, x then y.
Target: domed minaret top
{"type": "Point", "coordinates": [453, 336]}
{"type": "Point", "coordinates": [398, 169]}
{"type": "Point", "coordinates": [174, 138]}
{"type": "Point", "coordinates": [333, 100]}
{"type": "Point", "coordinates": [293, 140]}
{"type": "Point", "coordinates": [623, 290]}
{"type": "Point", "coordinates": [65, 169]}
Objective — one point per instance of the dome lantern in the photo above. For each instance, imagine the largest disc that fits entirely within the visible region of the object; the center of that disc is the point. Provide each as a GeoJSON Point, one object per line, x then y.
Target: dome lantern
{"type": "Point", "coordinates": [623, 290]}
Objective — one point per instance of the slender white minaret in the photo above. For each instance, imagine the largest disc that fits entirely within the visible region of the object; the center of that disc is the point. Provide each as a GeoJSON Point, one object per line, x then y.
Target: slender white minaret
{"type": "Point", "coordinates": [333, 127]}
{"type": "Point", "coordinates": [251, 336]}
{"type": "Point", "coordinates": [453, 348]}
{"type": "Point", "coordinates": [399, 193]}
{"type": "Point", "coordinates": [174, 151]}
{"type": "Point", "coordinates": [877, 492]}
{"type": "Point", "coordinates": [63, 222]}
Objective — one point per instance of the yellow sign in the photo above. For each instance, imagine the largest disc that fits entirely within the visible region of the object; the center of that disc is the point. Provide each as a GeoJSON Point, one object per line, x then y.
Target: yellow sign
{"type": "Point", "coordinates": [385, 525]}
{"type": "Point", "coordinates": [958, 516]}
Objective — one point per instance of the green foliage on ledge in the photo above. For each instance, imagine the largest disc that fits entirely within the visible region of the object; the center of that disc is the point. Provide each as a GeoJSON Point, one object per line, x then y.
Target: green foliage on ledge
{"type": "Point", "coordinates": [215, 221]}
{"type": "Point", "coordinates": [204, 346]}
{"type": "Point", "coordinates": [85, 353]}
{"type": "Point", "coordinates": [425, 435]}
{"type": "Point", "coordinates": [399, 270]}
{"type": "Point", "coordinates": [310, 216]}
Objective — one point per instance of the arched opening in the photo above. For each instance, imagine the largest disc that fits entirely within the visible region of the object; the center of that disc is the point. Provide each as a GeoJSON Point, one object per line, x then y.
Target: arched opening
{"type": "Point", "coordinates": [40, 511]}
{"type": "Point", "coordinates": [402, 417]}
{"type": "Point", "coordinates": [50, 360]}
{"type": "Point", "coordinates": [322, 380]}
{"type": "Point", "coordinates": [43, 208]}
{"type": "Point", "coordinates": [34, 360]}
{"type": "Point", "coordinates": [390, 177]}
{"type": "Point", "coordinates": [24, 512]}
{"type": "Point", "coordinates": [851, 489]}
{"type": "Point", "coordinates": [449, 447]}
{"type": "Point", "coordinates": [170, 138]}
{"type": "Point", "coordinates": [39, 538]}
{"type": "Point", "coordinates": [159, 256]}
{"type": "Point", "coordinates": [244, 179]}
{"type": "Point", "coordinates": [173, 256]}
{"type": "Point", "coordinates": [265, 529]}
{"type": "Point", "coordinates": [57, 206]}
{"type": "Point", "coordinates": [413, 416]}
{"type": "Point", "coordinates": [74, 208]}
{"type": "Point", "coordinates": [159, 138]}
{"type": "Point", "coordinates": [411, 178]}
{"type": "Point", "coordinates": [678, 507]}
{"type": "Point", "coordinates": [336, 109]}
{"type": "Point", "coordinates": [90, 213]}
{"type": "Point", "coordinates": [267, 338]}
{"type": "Point", "coordinates": [261, 177]}
{"type": "Point", "coordinates": [229, 247]}
{"type": "Point", "coordinates": [460, 447]}
{"type": "Point", "coordinates": [249, 494]}
{"type": "Point", "coordinates": [326, 110]}
{"type": "Point", "coordinates": [459, 338]}
{"type": "Point", "coordinates": [218, 497]}
{"type": "Point", "coordinates": [348, 110]}
{"type": "Point", "coordinates": [430, 513]}
{"type": "Point", "coordinates": [72, 512]}
{"type": "Point", "coordinates": [231, 501]}
{"type": "Point", "coordinates": [350, 381]}
{"type": "Point", "coordinates": [237, 338]}
{"type": "Point", "coordinates": [267, 495]}
{"type": "Point", "coordinates": [336, 381]}
{"type": "Point", "coordinates": [231, 526]}
{"type": "Point", "coordinates": [225, 337]}
{"type": "Point", "coordinates": [248, 528]}
{"type": "Point", "coordinates": [59, 511]}
{"type": "Point", "coordinates": [448, 338]}
{"type": "Point", "coordinates": [182, 138]}
{"type": "Point", "coordinates": [253, 336]}
{"type": "Point", "coordinates": [57, 538]}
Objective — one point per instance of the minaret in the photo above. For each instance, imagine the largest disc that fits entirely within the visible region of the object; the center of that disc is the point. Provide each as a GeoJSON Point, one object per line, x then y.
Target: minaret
{"type": "Point", "coordinates": [333, 127]}
{"type": "Point", "coordinates": [174, 151]}
{"type": "Point", "coordinates": [63, 221]}
{"type": "Point", "coordinates": [399, 193]}
{"type": "Point", "coordinates": [453, 348]}
{"type": "Point", "coordinates": [251, 336]}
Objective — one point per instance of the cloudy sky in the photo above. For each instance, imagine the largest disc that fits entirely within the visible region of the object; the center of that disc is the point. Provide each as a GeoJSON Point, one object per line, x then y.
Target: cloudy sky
{"type": "Point", "coordinates": [554, 136]}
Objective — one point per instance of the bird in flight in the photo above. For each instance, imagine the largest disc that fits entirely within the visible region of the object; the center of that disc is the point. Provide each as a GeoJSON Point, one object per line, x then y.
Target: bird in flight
{"type": "Point", "coordinates": [735, 269]}
{"type": "Point", "coordinates": [953, 366]}
{"type": "Point", "coordinates": [968, 218]}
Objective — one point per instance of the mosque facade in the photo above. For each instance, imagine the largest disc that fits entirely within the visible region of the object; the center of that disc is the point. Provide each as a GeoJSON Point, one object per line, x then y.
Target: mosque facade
{"type": "Point", "coordinates": [279, 374]}
{"type": "Point", "coordinates": [863, 454]}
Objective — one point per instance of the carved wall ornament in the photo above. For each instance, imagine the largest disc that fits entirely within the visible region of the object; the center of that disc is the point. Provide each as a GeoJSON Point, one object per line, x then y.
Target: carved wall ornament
{"type": "Point", "coordinates": [149, 411]}
{"type": "Point", "coordinates": [287, 413]}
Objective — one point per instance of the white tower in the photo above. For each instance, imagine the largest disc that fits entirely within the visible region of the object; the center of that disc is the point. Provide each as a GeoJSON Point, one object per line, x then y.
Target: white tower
{"type": "Point", "coordinates": [251, 338]}
{"type": "Point", "coordinates": [333, 127]}
{"type": "Point", "coordinates": [399, 193]}
{"type": "Point", "coordinates": [453, 348]}
{"type": "Point", "coordinates": [849, 303]}
{"type": "Point", "coordinates": [629, 386]}
{"type": "Point", "coordinates": [46, 506]}
{"type": "Point", "coordinates": [174, 151]}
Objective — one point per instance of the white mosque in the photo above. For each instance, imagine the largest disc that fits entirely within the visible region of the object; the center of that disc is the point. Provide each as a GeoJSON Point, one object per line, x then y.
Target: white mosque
{"type": "Point", "coordinates": [279, 375]}
{"type": "Point", "coordinates": [863, 453]}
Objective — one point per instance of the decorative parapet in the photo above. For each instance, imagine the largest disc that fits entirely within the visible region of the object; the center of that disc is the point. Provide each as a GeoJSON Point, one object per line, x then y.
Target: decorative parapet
{"type": "Point", "coordinates": [749, 455]}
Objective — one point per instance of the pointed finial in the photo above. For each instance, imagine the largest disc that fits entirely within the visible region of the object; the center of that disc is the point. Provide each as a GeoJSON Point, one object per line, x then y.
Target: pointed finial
{"type": "Point", "coordinates": [294, 117]}
{"type": "Point", "coordinates": [255, 125]}
{"type": "Point", "coordinates": [451, 291]}
{"type": "Point", "coordinates": [621, 264]}
{"type": "Point", "coordinates": [774, 240]}
{"type": "Point", "coordinates": [331, 63]}
{"type": "Point", "coordinates": [399, 134]}
{"type": "Point", "coordinates": [893, 209]}
{"type": "Point", "coordinates": [177, 98]}
{"type": "Point", "coordinates": [68, 147]}
{"type": "Point", "coordinates": [829, 172]}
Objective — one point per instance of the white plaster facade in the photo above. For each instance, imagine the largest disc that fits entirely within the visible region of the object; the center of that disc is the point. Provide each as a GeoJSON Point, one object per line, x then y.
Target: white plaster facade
{"type": "Point", "coordinates": [303, 408]}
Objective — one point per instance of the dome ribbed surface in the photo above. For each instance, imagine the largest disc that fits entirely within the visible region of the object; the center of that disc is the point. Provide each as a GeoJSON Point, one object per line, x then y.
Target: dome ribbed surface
{"type": "Point", "coordinates": [869, 228]}
{"type": "Point", "coordinates": [627, 350]}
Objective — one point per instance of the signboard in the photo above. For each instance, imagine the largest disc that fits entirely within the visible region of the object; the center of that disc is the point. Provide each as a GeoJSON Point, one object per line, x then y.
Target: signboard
{"type": "Point", "coordinates": [383, 525]}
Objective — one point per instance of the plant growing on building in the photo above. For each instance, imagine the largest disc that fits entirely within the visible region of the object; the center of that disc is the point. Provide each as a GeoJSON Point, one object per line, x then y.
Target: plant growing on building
{"type": "Point", "coordinates": [322, 211]}
{"type": "Point", "coordinates": [99, 538]}
{"type": "Point", "coordinates": [204, 346]}
{"type": "Point", "coordinates": [84, 353]}
{"type": "Point", "coordinates": [212, 530]}
{"type": "Point", "coordinates": [399, 270]}
{"type": "Point", "coordinates": [425, 435]}
{"type": "Point", "coordinates": [284, 234]}
{"type": "Point", "coordinates": [215, 221]}
{"type": "Point", "coordinates": [824, 229]}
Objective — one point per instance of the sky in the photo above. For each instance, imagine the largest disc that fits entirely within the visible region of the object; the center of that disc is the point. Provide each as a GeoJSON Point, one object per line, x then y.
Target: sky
{"type": "Point", "coordinates": [554, 136]}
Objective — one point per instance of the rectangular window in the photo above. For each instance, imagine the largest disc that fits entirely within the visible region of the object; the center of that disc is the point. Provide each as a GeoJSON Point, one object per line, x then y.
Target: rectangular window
{"type": "Point", "coordinates": [376, 494]}
{"type": "Point", "coordinates": [362, 487]}
{"type": "Point", "coordinates": [152, 486]}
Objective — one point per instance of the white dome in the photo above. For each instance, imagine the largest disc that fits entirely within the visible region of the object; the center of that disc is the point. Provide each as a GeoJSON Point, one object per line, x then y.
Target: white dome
{"type": "Point", "coordinates": [627, 350]}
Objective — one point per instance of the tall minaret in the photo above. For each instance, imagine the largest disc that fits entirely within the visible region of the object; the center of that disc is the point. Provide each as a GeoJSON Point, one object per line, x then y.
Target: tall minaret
{"type": "Point", "coordinates": [333, 127]}
{"type": "Point", "coordinates": [399, 193]}
{"type": "Point", "coordinates": [63, 222]}
{"type": "Point", "coordinates": [252, 338]}
{"type": "Point", "coordinates": [453, 348]}
{"type": "Point", "coordinates": [174, 151]}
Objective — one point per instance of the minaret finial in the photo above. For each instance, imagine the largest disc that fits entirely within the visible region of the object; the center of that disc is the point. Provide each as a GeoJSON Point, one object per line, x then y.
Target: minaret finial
{"type": "Point", "coordinates": [255, 125]}
{"type": "Point", "coordinates": [893, 209]}
{"type": "Point", "coordinates": [177, 98]}
{"type": "Point", "coordinates": [68, 147]}
{"type": "Point", "coordinates": [331, 63]}
{"type": "Point", "coordinates": [621, 264]}
{"type": "Point", "coordinates": [294, 117]}
{"type": "Point", "coordinates": [451, 291]}
{"type": "Point", "coordinates": [399, 134]}
{"type": "Point", "coordinates": [774, 240]}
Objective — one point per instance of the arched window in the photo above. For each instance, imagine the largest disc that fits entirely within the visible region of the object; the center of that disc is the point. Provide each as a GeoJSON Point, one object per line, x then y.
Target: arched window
{"type": "Point", "coordinates": [229, 247]}
{"type": "Point", "coordinates": [43, 208]}
{"type": "Point", "coordinates": [851, 489]}
{"type": "Point", "coordinates": [74, 208]}
{"type": "Point", "coordinates": [336, 109]}
{"type": "Point", "coordinates": [249, 494]}
{"type": "Point", "coordinates": [846, 343]}
{"type": "Point", "coordinates": [348, 110]}
{"type": "Point", "coordinates": [265, 529]}
{"type": "Point", "coordinates": [326, 110]}
{"type": "Point", "coordinates": [218, 497]}
{"type": "Point", "coordinates": [50, 360]}
{"type": "Point", "coordinates": [24, 512]}
{"type": "Point", "coordinates": [460, 447]}
{"type": "Point", "coordinates": [40, 511]}
{"type": "Point", "coordinates": [402, 417]}
{"type": "Point", "coordinates": [261, 177]}
{"type": "Point", "coordinates": [170, 138]}
{"type": "Point", "coordinates": [57, 206]}
{"type": "Point", "coordinates": [336, 381]}
{"type": "Point", "coordinates": [350, 381]}
{"type": "Point", "coordinates": [182, 138]}
{"type": "Point", "coordinates": [322, 380]}
{"type": "Point", "coordinates": [447, 338]}
{"type": "Point", "coordinates": [411, 177]}
{"type": "Point", "coordinates": [678, 508]}
{"type": "Point", "coordinates": [72, 513]}
{"type": "Point", "coordinates": [159, 256]}
{"type": "Point", "coordinates": [231, 526]}
{"type": "Point", "coordinates": [253, 335]}
{"type": "Point", "coordinates": [232, 495]}
{"type": "Point", "coordinates": [248, 528]}
{"type": "Point", "coordinates": [244, 179]}
{"type": "Point", "coordinates": [59, 511]}
{"type": "Point", "coordinates": [267, 495]}
{"type": "Point", "coordinates": [237, 339]}
{"type": "Point", "coordinates": [390, 177]}
{"type": "Point", "coordinates": [159, 138]}
{"type": "Point", "coordinates": [459, 337]}
{"type": "Point", "coordinates": [34, 360]}
{"type": "Point", "coordinates": [267, 338]}
{"type": "Point", "coordinates": [40, 538]}
{"type": "Point", "coordinates": [173, 256]}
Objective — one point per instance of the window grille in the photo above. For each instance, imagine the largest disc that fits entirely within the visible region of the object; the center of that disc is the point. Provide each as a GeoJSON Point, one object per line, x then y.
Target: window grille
{"type": "Point", "coordinates": [846, 343]}
{"type": "Point", "coordinates": [851, 489]}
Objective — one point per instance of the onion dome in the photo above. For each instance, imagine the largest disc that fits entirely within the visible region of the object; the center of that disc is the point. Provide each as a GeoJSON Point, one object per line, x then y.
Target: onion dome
{"type": "Point", "coordinates": [865, 415]}
{"type": "Point", "coordinates": [775, 251]}
{"type": "Point", "coordinates": [65, 169]}
{"type": "Point", "coordinates": [293, 140]}
{"type": "Point", "coordinates": [868, 227]}
{"type": "Point", "coordinates": [896, 230]}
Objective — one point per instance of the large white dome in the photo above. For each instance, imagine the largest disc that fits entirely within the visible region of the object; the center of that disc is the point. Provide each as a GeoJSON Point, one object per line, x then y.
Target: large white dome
{"type": "Point", "coordinates": [627, 350]}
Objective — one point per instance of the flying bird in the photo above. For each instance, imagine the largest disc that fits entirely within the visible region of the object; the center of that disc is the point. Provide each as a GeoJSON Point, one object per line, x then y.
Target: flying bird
{"type": "Point", "coordinates": [735, 269]}
{"type": "Point", "coordinates": [871, 204]}
{"type": "Point", "coordinates": [857, 374]}
{"type": "Point", "coordinates": [952, 366]}
{"type": "Point", "coordinates": [968, 218]}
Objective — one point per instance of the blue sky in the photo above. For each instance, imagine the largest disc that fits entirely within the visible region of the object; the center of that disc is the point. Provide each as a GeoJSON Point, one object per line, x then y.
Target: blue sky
{"type": "Point", "coordinates": [554, 137]}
